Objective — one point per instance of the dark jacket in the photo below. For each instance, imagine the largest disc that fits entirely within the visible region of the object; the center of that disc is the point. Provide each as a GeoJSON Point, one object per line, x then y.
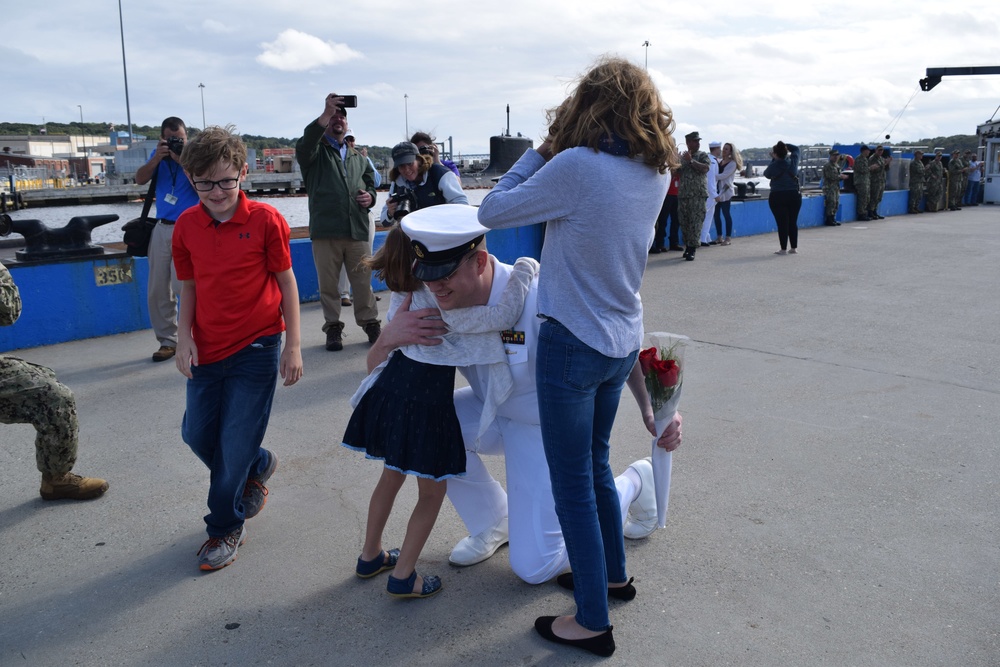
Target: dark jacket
{"type": "Point", "coordinates": [784, 174]}
{"type": "Point", "coordinates": [332, 184]}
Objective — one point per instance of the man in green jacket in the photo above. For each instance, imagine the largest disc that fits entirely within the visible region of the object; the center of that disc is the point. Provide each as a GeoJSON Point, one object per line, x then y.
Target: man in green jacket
{"type": "Point", "coordinates": [340, 183]}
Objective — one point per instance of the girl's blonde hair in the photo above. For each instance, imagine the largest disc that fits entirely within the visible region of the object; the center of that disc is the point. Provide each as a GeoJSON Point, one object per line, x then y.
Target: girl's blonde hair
{"type": "Point", "coordinates": [616, 100]}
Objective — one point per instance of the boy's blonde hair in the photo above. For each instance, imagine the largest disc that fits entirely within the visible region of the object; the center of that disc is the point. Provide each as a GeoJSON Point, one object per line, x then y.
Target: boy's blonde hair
{"type": "Point", "coordinates": [212, 145]}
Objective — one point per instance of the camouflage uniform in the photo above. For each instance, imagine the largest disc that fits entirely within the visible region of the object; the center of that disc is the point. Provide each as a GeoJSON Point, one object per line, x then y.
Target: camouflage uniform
{"type": "Point", "coordinates": [934, 173]}
{"type": "Point", "coordinates": [956, 179]}
{"type": "Point", "coordinates": [877, 182]}
{"type": "Point", "coordinates": [861, 185]}
{"type": "Point", "coordinates": [30, 394]}
{"type": "Point", "coordinates": [692, 191]}
{"type": "Point", "coordinates": [831, 189]}
{"type": "Point", "coordinates": [916, 184]}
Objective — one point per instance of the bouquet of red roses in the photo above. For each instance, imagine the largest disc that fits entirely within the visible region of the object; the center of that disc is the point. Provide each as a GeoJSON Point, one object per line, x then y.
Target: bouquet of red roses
{"type": "Point", "coordinates": [662, 364]}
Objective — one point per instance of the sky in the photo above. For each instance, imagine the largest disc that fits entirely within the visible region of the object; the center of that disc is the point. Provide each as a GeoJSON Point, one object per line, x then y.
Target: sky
{"type": "Point", "coordinates": [747, 73]}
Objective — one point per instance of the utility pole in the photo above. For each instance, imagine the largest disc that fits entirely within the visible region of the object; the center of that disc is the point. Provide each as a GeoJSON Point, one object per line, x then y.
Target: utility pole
{"type": "Point", "coordinates": [128, 110]}
{"type": "Point", "coordinates": [202, 87]}
{"type": "Point", "coordinates": [406, 114]}
{"type": "Point", "coordinates": [82, 131]}
{"type": "Point", "coordinates": [646, 44]}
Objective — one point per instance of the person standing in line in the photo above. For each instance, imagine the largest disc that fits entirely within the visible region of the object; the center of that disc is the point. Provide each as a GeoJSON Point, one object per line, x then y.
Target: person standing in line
{"type": "Point", "coordinates": [916, 182]}
{"type": "Point", "coordinates": [966, 157]}
{"type": "Point", "coordinates": [785, 200]}
{"type": "Point", "coordinates": [613, 133]}
{"type": "Point", "coordinates": [956, 180]}
{"type": "Point", "coordinates": [831, 188]}
{"type": "Point", "coordinates": [340, 183]}
{"type": "Point", "coordinates": [876, 182]}
{"type": "Point", "coordinates": [667, 219]}
{"type": "Point", "coordinates": [935, 182]}
{"type": "Point", "coordinates": [31, 394]}
{"type": "Point", "coordinates": [712, 184]}
{"type": "Point", "coordinates": [238, 295]}
{"type": "Point", "coordinates": [174, 195]}
{"type": "Point", "coordinates": [732, 164]}
{"type": "Point", "coordinates": [344, 286]}
{"type": "Point", "coordinates": [976, 170]}
{"type": "Point", "coordinates": [692, 192]}
{"type": "Point", "coordinates": [862, 182]}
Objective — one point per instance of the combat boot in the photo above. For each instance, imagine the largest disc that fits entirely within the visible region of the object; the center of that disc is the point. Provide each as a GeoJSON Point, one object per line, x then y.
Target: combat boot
{"type": "Point", "coordinates": [335, 337]}
{"type": "Point", "coordinates": [69, 486]}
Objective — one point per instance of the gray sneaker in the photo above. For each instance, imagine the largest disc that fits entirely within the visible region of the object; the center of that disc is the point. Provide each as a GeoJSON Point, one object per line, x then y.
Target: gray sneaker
{"type": "Point", "coordinates": [255, 493]}
{"type": "Point", "coordinates": [218, 552]}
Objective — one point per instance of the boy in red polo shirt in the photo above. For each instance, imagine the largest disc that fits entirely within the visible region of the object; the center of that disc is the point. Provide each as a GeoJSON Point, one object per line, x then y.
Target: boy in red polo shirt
{"type": "Point", "coordinates": [238, 295]}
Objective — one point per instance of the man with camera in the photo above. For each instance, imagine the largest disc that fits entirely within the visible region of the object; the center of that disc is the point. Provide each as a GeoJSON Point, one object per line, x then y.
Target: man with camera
{"type": "Point", "coordinates": [340, 183]}
{"type": "Point", "coordinates": [174, 195]}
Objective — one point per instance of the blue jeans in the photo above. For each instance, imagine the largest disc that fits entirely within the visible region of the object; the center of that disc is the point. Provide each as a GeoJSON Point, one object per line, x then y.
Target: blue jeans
{"type": "Point", "coordinates": [578, 392]}
{"type": "Point", "coordinates": [228, 406]}
{"type": "Point", "coordinates": [723, 209]}
{"type": "Point", "coordinates": [972, 193]}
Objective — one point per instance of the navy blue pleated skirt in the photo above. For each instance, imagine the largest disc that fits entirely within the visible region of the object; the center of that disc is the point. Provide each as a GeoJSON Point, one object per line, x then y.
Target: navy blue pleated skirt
{"type": "Point", "coordinates": [407, 419]}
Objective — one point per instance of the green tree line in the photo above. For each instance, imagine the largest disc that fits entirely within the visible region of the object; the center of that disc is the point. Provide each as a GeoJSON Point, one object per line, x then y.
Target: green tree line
{"type": "Point", "coordinates": [376, 153]}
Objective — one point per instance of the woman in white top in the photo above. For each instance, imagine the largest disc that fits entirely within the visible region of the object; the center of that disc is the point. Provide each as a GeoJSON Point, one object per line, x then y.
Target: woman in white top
{"type": "Point", "coordinates": [730, 165]}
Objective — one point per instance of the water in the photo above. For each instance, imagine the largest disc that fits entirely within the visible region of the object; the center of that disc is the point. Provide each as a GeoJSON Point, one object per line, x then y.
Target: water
{"type": "Point", "coordinates": [294, 208]}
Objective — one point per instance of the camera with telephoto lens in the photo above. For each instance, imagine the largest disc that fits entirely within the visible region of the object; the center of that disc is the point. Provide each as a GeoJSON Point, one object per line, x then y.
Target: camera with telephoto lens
{"type": "Point", "coordinates": [176, 145]}
{"type": "Point", "coordinates": [405, 200]}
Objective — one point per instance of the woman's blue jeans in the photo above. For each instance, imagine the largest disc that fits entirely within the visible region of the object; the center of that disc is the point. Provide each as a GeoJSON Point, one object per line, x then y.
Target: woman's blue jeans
{"type": "Point", "coordinates": [578, 393]}
{"type": "Point", "coordinates": [723, 209]}
{"type": "Point", "coordinates": [228, 407]}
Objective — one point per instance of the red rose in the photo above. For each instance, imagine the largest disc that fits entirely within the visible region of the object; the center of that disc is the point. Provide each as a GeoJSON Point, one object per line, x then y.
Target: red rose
{"type": "Point", "coordinates": [667, 372]}
{"type": "Point", "coordinates": [646, 359]}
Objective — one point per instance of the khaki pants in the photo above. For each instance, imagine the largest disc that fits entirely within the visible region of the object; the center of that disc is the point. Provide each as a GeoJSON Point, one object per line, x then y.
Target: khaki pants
{"type": "Point", "coordinates": [163, 288]}
{"type": "Point", "coordinates": [330, 255]}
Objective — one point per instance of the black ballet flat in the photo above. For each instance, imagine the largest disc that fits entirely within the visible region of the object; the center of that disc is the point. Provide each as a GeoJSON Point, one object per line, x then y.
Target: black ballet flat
{"type": "Point", "coordinates": [626, 592]}
{"type": "Point", "coordinates": [602, 645]}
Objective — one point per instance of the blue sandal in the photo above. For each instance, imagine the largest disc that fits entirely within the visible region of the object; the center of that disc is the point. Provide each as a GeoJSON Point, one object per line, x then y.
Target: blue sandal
{"type": "Point", "coordinates": [384, 561]}
{"type": "Point", "coordinates": [403, 588]}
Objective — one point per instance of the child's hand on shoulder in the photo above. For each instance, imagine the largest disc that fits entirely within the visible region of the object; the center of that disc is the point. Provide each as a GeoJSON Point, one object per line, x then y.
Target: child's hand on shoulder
{"type": "Point", "coordinates": [291, 365]}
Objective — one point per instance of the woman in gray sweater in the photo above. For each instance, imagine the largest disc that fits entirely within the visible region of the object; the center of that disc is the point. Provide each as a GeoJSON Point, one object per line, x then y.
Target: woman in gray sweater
{"type": "Point", "coordinates": [598, 180]}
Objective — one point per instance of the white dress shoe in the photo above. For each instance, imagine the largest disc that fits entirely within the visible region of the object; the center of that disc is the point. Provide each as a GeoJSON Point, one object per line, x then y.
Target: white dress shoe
{"type": "Point", "coordinates": [477, 548]}
{"type": "Point", "coordinates": [641, 521]}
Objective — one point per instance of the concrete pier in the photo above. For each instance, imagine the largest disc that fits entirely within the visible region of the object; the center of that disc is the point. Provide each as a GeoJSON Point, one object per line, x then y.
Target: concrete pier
{"type": "Point", "coordinates": [835, 501]}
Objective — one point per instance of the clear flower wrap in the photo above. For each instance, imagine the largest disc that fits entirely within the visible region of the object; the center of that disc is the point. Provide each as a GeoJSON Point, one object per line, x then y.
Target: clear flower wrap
{"type": "Point", "coordinates": [661, 360]}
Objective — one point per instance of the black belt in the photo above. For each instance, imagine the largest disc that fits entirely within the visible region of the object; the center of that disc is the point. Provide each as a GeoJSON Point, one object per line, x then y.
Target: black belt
{"type": "Point", "coordinates": [167, 222]}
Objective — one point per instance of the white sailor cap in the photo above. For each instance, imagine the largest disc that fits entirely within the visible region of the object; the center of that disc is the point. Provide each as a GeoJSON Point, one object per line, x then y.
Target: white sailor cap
{"type": "Point", "coordinates": [442, 236]}
{"type": "Point", "coordinates": [714, 144]}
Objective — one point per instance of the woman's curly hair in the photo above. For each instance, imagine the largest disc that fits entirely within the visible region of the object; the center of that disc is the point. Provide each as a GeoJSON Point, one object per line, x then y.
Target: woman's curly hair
{"type": "Point", "coordinates": [616, 100]}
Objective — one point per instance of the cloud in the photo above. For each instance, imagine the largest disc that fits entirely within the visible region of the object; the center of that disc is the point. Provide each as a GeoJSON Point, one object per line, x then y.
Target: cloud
{"type": "Point", "coordinates": [210, 25]}
{"type": "Point", "coordinates": [295, 51]}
